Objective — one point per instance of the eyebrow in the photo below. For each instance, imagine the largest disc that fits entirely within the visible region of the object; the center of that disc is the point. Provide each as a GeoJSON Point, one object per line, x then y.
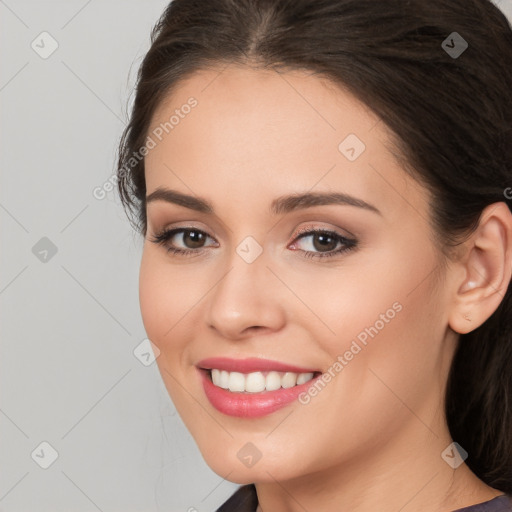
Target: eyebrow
{"type": "Point", "coordinates": [280, 205]}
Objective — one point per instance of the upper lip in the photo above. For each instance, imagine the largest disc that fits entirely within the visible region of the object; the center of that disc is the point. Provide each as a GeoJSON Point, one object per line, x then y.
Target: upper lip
{"type": "Point", "coordinates": [252, 364]}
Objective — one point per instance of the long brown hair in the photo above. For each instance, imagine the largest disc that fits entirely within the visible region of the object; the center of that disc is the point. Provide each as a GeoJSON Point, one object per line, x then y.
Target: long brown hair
{"type": "Point", "coordinates": [451, 113]}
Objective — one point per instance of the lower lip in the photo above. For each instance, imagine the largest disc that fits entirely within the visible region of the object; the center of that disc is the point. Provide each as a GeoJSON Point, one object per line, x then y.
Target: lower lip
{"type": "Point", "coordinates": [250, 405]}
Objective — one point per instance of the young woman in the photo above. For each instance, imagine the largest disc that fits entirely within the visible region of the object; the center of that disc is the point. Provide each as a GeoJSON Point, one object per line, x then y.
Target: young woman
{"type": "Point", "coordinates": [324, 188]}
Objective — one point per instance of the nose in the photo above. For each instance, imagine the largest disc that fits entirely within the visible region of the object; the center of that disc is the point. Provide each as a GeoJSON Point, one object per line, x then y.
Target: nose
{"type": "Point", "coordinates": [246, 300]}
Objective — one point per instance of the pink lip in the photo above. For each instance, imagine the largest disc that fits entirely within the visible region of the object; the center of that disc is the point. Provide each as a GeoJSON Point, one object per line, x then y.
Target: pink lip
{"type": "Point", "coordinates": [252, 364]}
{"type": "Point", "coordinates": [250, 405]}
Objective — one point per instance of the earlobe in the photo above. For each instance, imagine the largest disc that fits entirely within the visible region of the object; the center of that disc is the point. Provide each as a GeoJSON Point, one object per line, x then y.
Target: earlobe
{"type": "Point", "coordinates": [487, 269]}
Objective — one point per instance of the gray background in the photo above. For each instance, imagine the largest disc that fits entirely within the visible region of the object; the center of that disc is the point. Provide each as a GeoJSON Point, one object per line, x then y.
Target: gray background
{"type": "Point", "coordinates": [71, 318]}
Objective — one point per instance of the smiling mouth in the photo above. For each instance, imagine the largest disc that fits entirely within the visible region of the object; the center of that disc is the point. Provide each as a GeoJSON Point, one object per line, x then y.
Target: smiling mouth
{"type": "Point", "coordinates": [257, 382]}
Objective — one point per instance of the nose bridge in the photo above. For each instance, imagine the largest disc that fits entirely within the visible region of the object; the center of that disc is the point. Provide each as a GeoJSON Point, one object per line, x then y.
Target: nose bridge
{"type": "Point", "coordinates": [244, 296]}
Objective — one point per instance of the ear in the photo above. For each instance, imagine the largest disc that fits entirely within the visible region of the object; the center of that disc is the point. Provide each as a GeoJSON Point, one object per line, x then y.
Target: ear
{"type": "Point", "coordinates": [486, 269]}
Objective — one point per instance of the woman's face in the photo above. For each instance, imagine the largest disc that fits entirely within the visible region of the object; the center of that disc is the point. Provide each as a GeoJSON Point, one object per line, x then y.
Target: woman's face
{"type": "Point", "coordinates": [260, 300]}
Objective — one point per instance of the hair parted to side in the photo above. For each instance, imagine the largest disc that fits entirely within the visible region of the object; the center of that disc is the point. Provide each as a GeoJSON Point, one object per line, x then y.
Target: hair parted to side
{"type": "Point", "coordinates": [451, 118]}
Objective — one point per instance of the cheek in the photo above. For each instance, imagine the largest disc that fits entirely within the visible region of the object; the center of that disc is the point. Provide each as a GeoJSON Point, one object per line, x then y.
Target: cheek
{"type": "Point", "coordinates": [350, 300]}
{"type": "Point", "coordinates": [150, 298]}
{"type": "Point", "coordinates": [164, 297]}
{"type": "Point", "coordinates": [166, 290]}
{"type": "Point", "coordinates": [164, 301]}
{"type": "Point", "coordinates": [386, 318]}
{"type": "Point", "coordinates": [387, 361]}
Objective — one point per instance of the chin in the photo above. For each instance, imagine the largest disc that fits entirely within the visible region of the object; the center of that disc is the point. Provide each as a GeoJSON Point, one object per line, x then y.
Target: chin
{"type": "Point", "coordinates": [235, 464]}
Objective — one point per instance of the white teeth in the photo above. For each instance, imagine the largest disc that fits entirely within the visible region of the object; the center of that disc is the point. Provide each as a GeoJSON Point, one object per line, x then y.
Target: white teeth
{"type": "Point", "coordinates": [289, 380]}
{"type": "Point", "coordinates": [221, 377]}
{"type": "Point", "coordinates": [216, 377]}
{"type": "Point", "coordinates": [303, 378]}
{"type": "Point", "coordinates": [256, 382]}
{"type": "Point", "coordinates": [236, 381]}
{"type": "Point", "coordinates": [224, 379]}
{"type": "Point", "coordinates": [273, 381]}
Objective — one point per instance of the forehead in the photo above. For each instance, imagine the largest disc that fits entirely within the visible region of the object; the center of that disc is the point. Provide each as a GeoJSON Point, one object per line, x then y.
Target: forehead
{"type": "Point", "coordinates": [259, 131]}
{"type": "Point", "coordinates": [252, 106]}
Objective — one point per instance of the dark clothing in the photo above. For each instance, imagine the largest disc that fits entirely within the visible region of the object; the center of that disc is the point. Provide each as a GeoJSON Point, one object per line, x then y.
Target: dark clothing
{"type": "Point", "coordinates": [501, 503]}
{"type": "Point", "coordinates": [246, 500]}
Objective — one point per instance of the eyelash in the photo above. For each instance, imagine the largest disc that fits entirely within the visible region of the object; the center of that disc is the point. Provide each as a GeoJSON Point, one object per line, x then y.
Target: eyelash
{"type": "Point", "coordinates": [349, 244]}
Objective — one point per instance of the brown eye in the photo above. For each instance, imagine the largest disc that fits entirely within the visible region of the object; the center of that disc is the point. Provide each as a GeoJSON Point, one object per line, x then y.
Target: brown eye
{"type": "Point", "coordinates": [193, 239]}
{"type": "Point", "coordinates": [182, 241]}
{"type": "Point", "coordinates": [322, 243]}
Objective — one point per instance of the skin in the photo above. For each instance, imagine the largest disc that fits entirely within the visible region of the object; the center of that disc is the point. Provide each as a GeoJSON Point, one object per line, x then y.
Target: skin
{"type": "Point", "coordinates": [372, 438]}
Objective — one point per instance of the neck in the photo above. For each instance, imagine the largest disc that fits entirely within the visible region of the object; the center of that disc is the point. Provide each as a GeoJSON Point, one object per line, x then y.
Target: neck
{"type": "Point", "coordinates": [408, 475]}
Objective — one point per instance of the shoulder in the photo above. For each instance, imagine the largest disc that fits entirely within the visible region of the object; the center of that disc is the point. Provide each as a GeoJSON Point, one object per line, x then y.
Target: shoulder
{"type": "Point", "coordinates": [502, 503]}
{"type": "Point", "coordinates": [244, 499]}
